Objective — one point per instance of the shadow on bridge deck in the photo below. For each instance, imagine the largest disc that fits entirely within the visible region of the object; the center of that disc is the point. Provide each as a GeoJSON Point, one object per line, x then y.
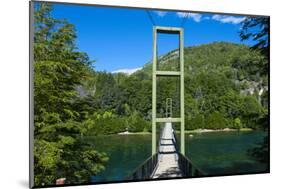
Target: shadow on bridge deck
{"type": "Point", "coordinates": [167, 166]}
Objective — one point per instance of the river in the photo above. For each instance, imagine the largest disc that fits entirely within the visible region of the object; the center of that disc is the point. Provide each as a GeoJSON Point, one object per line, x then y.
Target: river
{"type": "Point", "coordinates": [215, 153]}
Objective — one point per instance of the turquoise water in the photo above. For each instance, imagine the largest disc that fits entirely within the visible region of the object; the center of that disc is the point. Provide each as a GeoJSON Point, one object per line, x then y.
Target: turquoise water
{"type": "Point", "coordinates": [220, 153]}
{"type": "Point", "coordinates": [215, 153]}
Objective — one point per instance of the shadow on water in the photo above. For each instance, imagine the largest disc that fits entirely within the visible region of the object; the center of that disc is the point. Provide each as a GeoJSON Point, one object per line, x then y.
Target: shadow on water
{"type": "Point", "coordinates": [225, 153]}
{"type": "Point", "coordinates": [236, 168]}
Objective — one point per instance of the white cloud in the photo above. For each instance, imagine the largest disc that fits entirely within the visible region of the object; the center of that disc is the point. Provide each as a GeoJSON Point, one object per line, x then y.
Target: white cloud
{"type": "Point", "coordinates": [228, 19]}
{"type": "Point", "coordinates": [196, 17]}
{"type": "Point", "coordinates": [160, 13]}
{"type": "Point", "coordinates": [127, 71]}
{"type": "Point", "coordinates": [182, 14]}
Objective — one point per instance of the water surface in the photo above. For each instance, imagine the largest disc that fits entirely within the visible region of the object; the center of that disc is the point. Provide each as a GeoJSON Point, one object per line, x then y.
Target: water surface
{"type": "Point", "coordinates": [220, 153]}
{"type": "Point", "coordinates": [215, 153]}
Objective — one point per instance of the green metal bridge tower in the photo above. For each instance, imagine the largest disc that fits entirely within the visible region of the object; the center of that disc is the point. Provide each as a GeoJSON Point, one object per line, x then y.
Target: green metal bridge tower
{"type": "Point", "coordinates": [156, 73]}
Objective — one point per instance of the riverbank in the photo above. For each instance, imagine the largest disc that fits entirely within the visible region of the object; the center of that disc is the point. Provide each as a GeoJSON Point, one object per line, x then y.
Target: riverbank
{"type": "Point", "coordinates": [190, 131]}
{"type": "Point", "coordinates": [216, 130]}
{"type": "Point", "coordinates": [134, 133]}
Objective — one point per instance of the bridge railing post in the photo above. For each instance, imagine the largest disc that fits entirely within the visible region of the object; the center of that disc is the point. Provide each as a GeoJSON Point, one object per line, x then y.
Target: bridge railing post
{"type": "Point", "coordinates": [145, 170]}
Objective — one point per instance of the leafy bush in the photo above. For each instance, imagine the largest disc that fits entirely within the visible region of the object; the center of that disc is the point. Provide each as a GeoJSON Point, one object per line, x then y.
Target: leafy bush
{"type": "Point", "coordinates": [136, 123]}
{"type": "Point", "coordinates": [215, 121]}
{"type": "Point", "coordinates": [195, 123]}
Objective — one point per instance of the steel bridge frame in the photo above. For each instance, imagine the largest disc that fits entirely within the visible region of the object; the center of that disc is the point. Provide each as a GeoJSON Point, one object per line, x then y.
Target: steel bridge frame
{"type": "Point", "coordinates": [156, 73]}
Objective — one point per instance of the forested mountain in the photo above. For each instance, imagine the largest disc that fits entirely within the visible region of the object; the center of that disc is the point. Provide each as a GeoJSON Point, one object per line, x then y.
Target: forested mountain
{"type": "Point", "coordinates": [223, 86]}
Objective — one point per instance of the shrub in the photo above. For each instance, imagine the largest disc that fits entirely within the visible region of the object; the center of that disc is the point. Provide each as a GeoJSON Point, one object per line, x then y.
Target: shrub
{"type": "Point", "coordinates": [195, 123]}
{"type": "Point", "coordinates": [215, 121]}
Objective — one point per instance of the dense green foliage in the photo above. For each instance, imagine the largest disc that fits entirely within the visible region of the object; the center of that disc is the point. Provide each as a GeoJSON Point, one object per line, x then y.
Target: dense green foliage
{"type": "Point", "coordinates": [222, 86]}
{"type": "Point", "coordinates": [257, 28]}
{"type": "Point", "coordinates": [59, 150]}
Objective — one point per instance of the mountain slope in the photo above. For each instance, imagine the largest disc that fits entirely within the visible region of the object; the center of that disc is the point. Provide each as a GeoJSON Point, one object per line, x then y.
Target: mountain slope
{"type": "Point", "coordinates": [222, 80]}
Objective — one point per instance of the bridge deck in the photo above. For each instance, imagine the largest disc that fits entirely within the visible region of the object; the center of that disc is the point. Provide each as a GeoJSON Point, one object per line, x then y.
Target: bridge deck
{"type": "Point", "coordinates": [168, 158]}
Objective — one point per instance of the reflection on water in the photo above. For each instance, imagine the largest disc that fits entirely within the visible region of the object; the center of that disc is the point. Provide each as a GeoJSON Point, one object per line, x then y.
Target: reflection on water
{"type": "Point", "coordinates": [214, 153]}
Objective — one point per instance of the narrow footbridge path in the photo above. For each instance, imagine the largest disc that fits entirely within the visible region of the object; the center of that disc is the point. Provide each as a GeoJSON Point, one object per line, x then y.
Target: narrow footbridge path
{"type": "Point", "coordinates": [167, 155]}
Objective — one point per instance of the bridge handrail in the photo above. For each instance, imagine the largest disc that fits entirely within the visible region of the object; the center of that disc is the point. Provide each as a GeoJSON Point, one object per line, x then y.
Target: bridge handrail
{"type": "Point", "coordinates": [144, 170]}
{"type": "Point", "coordinates": [186, 166]}
{"type": "Point", "coordinates": [175, 140]}
{"type": "Point", "coordinates": [159, 140]}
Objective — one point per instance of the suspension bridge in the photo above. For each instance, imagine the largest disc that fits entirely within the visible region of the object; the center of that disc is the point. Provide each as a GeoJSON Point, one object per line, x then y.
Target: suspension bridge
{"type": "Point", "coordinates": [167, 161]}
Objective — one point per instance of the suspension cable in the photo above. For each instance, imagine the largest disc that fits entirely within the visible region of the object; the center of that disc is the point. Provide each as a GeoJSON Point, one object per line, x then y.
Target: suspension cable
{"type": "Point", "coordinates": [150, 17]}
{"type": "Point", "coordinates": [184, 19]}
{"type": "Point", "coordinates": [153, 22]}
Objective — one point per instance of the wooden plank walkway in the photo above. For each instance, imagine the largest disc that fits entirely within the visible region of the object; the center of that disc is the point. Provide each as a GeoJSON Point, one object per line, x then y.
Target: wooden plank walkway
{"type": "Point", "coordinates": [168, 158]}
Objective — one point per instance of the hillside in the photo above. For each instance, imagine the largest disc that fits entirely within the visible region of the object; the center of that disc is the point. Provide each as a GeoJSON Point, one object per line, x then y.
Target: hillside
{"type": "Point", "coordinates": [238, 62]}
{"type": "Point", "coordinates": [217, 56]}
{"type": "Point", "coordinates": [221, 80]}
{"type": "Point", "coordinates": [225, 87]}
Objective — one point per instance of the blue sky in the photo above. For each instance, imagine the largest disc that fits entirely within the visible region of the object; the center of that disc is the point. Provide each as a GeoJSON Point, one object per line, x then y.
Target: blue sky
{"type": "Point", "coordinates": [120, 39]}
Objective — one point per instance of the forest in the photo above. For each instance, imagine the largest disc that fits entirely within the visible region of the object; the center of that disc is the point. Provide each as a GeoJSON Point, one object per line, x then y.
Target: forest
{"type": "Point", "coordinates": [226, 86]}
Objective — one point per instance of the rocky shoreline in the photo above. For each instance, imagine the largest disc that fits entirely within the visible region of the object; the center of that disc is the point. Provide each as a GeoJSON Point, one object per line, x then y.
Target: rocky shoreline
{"type": "Point", "coordinates": [191, 131]}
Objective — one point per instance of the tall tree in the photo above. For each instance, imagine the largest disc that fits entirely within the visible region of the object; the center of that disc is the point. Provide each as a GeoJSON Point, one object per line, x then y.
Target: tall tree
{"type": "Point", "coordinates": [59, 151]}
{"type": "Point", "coordinates": [257, 29]}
